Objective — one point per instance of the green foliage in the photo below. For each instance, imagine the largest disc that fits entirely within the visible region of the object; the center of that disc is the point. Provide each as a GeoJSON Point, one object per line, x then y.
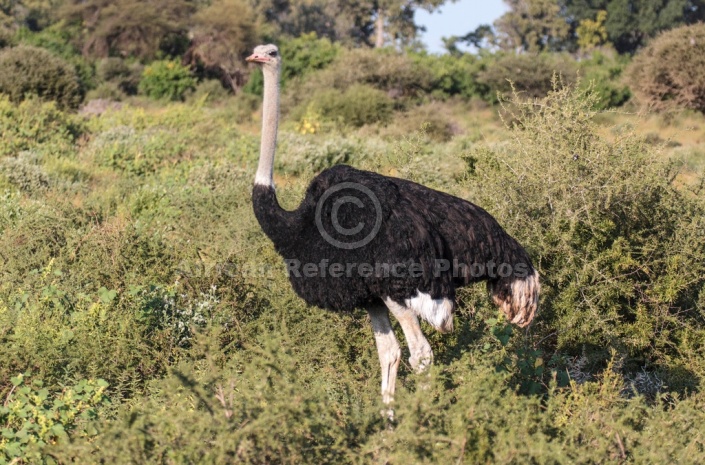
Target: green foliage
{"type": "Point", "coordinates": [603, 73]}
{"type": "Point", "coordinates": [530, 74]}
{"type": "Point", "coordinates": [23, 173]}
{"type": "Point", "coordinates": [128, 27]}
{"type": "Point", "coordinates": [302, 55]}
{"type": "Point", "coordinates": [209, 91]}
{"type": "Point", "coordinates": [166, 79]}
{"type": "Point", "coordinates": [668, 72]}
{"type": "Point", "coordinates": [248, 407]}
{"type": "Point", "coordinates": [36, 126]}
{"type": "Point", "coordinates": [618, 246]}
{"type": "Point", "coordinates": [35, 14]}
{"type": "Point", "coordinates": [32, 417]}
{"type": "Point", "coordinates": [307, 53]}
{"type": "Point", "coordinates": [302, 155]}
{"type": "Point", "coordinates": [630, 24]}
{"type": "Point", "coordinates": [123, 75]}
{"type": "Point", "coordinates": [125, 149]}
{"type": "Point", "coordinates": [130, 253]}
{"type": "Point", "coordinates": [431, 119]}
{"type": "Point", "coordinates": [274, 411]}
{"type": "Point", "coordinates": [533, 26]}
{"type": "Point", "coordinates": [58, 39]}
{"type": "Point", "coordinates": [356, 106]}
{"type": "Point", "coordinates": [628, 28]}
{"type": "Point", "coordinates": [108, 91]}
{"type": "Point", "coordinates": [592, 33]}
{"type": "Point", "coordinates": [26, 70]}
{"type": "Point", "coordinates": [113, 68]}
{"type": "Point", "coordinates": [525, 363]}
{"type": "Point", "coordinates": [349, 22]}
{"type": "Point", "coordinates": [224, 32]}
{"type": "Point", "coordinates": [453, 74]}
{"type": "Point", "coordinates": [386, 70]}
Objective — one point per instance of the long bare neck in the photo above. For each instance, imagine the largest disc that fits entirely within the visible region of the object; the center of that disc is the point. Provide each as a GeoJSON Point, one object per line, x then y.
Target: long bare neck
{"type": "Point", "coordinates": [270, 122]}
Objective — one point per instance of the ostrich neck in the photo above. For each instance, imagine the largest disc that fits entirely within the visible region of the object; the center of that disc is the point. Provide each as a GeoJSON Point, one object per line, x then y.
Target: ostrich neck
{"type": "Point", "coordinates": [277, 223]}
{"type": "Point", "coordinates": [270, 122]}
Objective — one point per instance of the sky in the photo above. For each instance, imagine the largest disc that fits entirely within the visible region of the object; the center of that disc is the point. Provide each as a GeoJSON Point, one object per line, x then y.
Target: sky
{"type": "Point", "coordinates": [457, 18]}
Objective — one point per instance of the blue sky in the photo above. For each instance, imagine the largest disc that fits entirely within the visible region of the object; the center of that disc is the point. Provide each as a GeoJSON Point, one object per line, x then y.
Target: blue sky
{"type": "Point", "coordinates": [457, 18]}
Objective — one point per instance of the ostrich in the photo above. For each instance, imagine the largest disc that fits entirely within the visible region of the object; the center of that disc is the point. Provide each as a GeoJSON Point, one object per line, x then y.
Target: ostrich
{"type": "Point", "coordinates": [363, 240]}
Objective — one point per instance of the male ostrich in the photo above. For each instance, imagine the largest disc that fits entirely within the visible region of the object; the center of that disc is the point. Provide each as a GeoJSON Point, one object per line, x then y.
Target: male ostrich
{"type": "Point", "coordinates": [360, 239]}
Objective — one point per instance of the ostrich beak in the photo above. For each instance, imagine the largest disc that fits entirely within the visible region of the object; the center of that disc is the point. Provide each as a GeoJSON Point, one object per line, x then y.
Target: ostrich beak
{"type": "Point", "coordinates": [257, 58]}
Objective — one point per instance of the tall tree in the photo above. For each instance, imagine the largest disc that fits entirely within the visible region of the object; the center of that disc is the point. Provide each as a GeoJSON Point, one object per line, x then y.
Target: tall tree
{"type": "Point", "coordinates": [222, 34]}
{"type": "Point", "coordinates": [129, 27]}
{"type": "Point", "coordinates": [394, 19]}
{"type": "Point", "coordinates": [481, 38]}
{"type": "Point", "coordinates": [532, 25]}
{"type": "Point", "coordinates": [368, 22]}
{"type": "Point", "coordinates": [630, 23]}
{"type": "Point", "coordinates": [33, 14]}
{"type": "Point", "coordinates": [6, 10]}
{"type": "Point", "coordinates": [337, 20]}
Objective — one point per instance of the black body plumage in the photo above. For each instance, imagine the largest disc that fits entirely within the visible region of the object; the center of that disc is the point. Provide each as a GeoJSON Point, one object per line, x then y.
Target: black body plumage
{"type": "Point", "coordinates": [426, 234]}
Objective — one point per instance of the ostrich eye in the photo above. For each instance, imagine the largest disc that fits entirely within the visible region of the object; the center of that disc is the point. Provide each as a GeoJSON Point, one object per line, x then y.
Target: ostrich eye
{"type": "Point", "coordinates": [273, 53]}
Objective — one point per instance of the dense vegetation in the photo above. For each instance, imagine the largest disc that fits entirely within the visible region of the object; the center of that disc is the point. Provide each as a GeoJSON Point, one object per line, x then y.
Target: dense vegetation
{"type": "Point", "coordinates": [145, 318]}
{"type": "Point", "coordinates": [668, 73]}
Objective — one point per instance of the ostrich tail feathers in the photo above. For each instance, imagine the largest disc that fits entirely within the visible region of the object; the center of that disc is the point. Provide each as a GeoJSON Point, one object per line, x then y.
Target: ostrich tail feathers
{"type": "Point", "coordinates": [518, 298]}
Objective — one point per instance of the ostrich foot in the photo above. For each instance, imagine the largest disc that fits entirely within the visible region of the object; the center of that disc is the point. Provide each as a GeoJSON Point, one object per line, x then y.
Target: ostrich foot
{"type": "Point", "coordinates": [388, 414]}
{"type": "Point", "coordinates": [422, 356]}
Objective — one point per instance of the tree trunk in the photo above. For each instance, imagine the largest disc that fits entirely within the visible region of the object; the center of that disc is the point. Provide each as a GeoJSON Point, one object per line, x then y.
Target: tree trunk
{"type": "Point", "coordinates": [379, 29]}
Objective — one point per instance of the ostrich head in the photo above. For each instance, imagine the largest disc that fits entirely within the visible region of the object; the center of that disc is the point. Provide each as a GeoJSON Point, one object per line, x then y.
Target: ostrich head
{"type": "Point", "coordinates": [267, 55]}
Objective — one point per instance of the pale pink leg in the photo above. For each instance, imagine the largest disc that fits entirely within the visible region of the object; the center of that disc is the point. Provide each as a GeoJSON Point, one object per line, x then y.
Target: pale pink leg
{"type": "Point", "coordinates": [421, 355]}
{"type": "Point", "coordinates": [388, 350]}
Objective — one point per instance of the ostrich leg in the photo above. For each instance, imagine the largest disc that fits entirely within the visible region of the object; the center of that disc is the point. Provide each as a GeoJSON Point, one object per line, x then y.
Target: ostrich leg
{"type": "Point", "coordinates": [388, 350]}
{"type": "Point", "coordinates": [421, 355]}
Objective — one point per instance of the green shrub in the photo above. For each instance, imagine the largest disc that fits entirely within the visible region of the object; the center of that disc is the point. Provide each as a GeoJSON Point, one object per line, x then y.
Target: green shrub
{"type": "Point", "coordinates": [358, 105]}
{"type": "Point", "coordinates": [36, 126]}
{"type": "Point", "coordinates": [620, 249]}
{"type": "Point", "coordinates": [32, 417]}
{"type": "Point", "coordinates": [135, 152]}
{"type": "Point", "coordinates": [111, 68]}
{"type": "Point", "coordinates": [6, 37]}
{"type": "Point", "coordinates": [126, 76]}
{"type": "Point", "coordinates": [275, 410]}
{"type": "Point", "coordinates": [154, 275]}
{"type": "Point", "coordinates": [530, 74]}
{"type": "Point", "coordinates": [453, 74]}
{"type": "Point", "coordinates": [668, 72]}
{"type": "Point", "coordinates": [166, 79]}
{"type": "Point", "coordinates": [243, 106]}
{"type": "Point", "coordinates": [210, 90]}
{"type": "Point", "coordinates": [386, 70]}
{"type": "Point", "coordinates": [109, 91]}
{"type": "Point", "coordinates": [58, 38]}
{"type": "Point", "coordinates": [248, 407]}
{"type": "Point", "coordinates": [24, 173]}
{"type": "Point", "coordinates": [307, 53]}
{"type": "Point", "coordinates": [432, 119]}
{"type": "Point", "coordinates": [26, 70]}
{"type": "Point", "coordinates": [55, 39]}
{"type": "Point", "coordinates": [56, 321]}
{"type": "Point", "coordinates": [603, 71]}
{"type": "Point", "coordinates": [302, 154]}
